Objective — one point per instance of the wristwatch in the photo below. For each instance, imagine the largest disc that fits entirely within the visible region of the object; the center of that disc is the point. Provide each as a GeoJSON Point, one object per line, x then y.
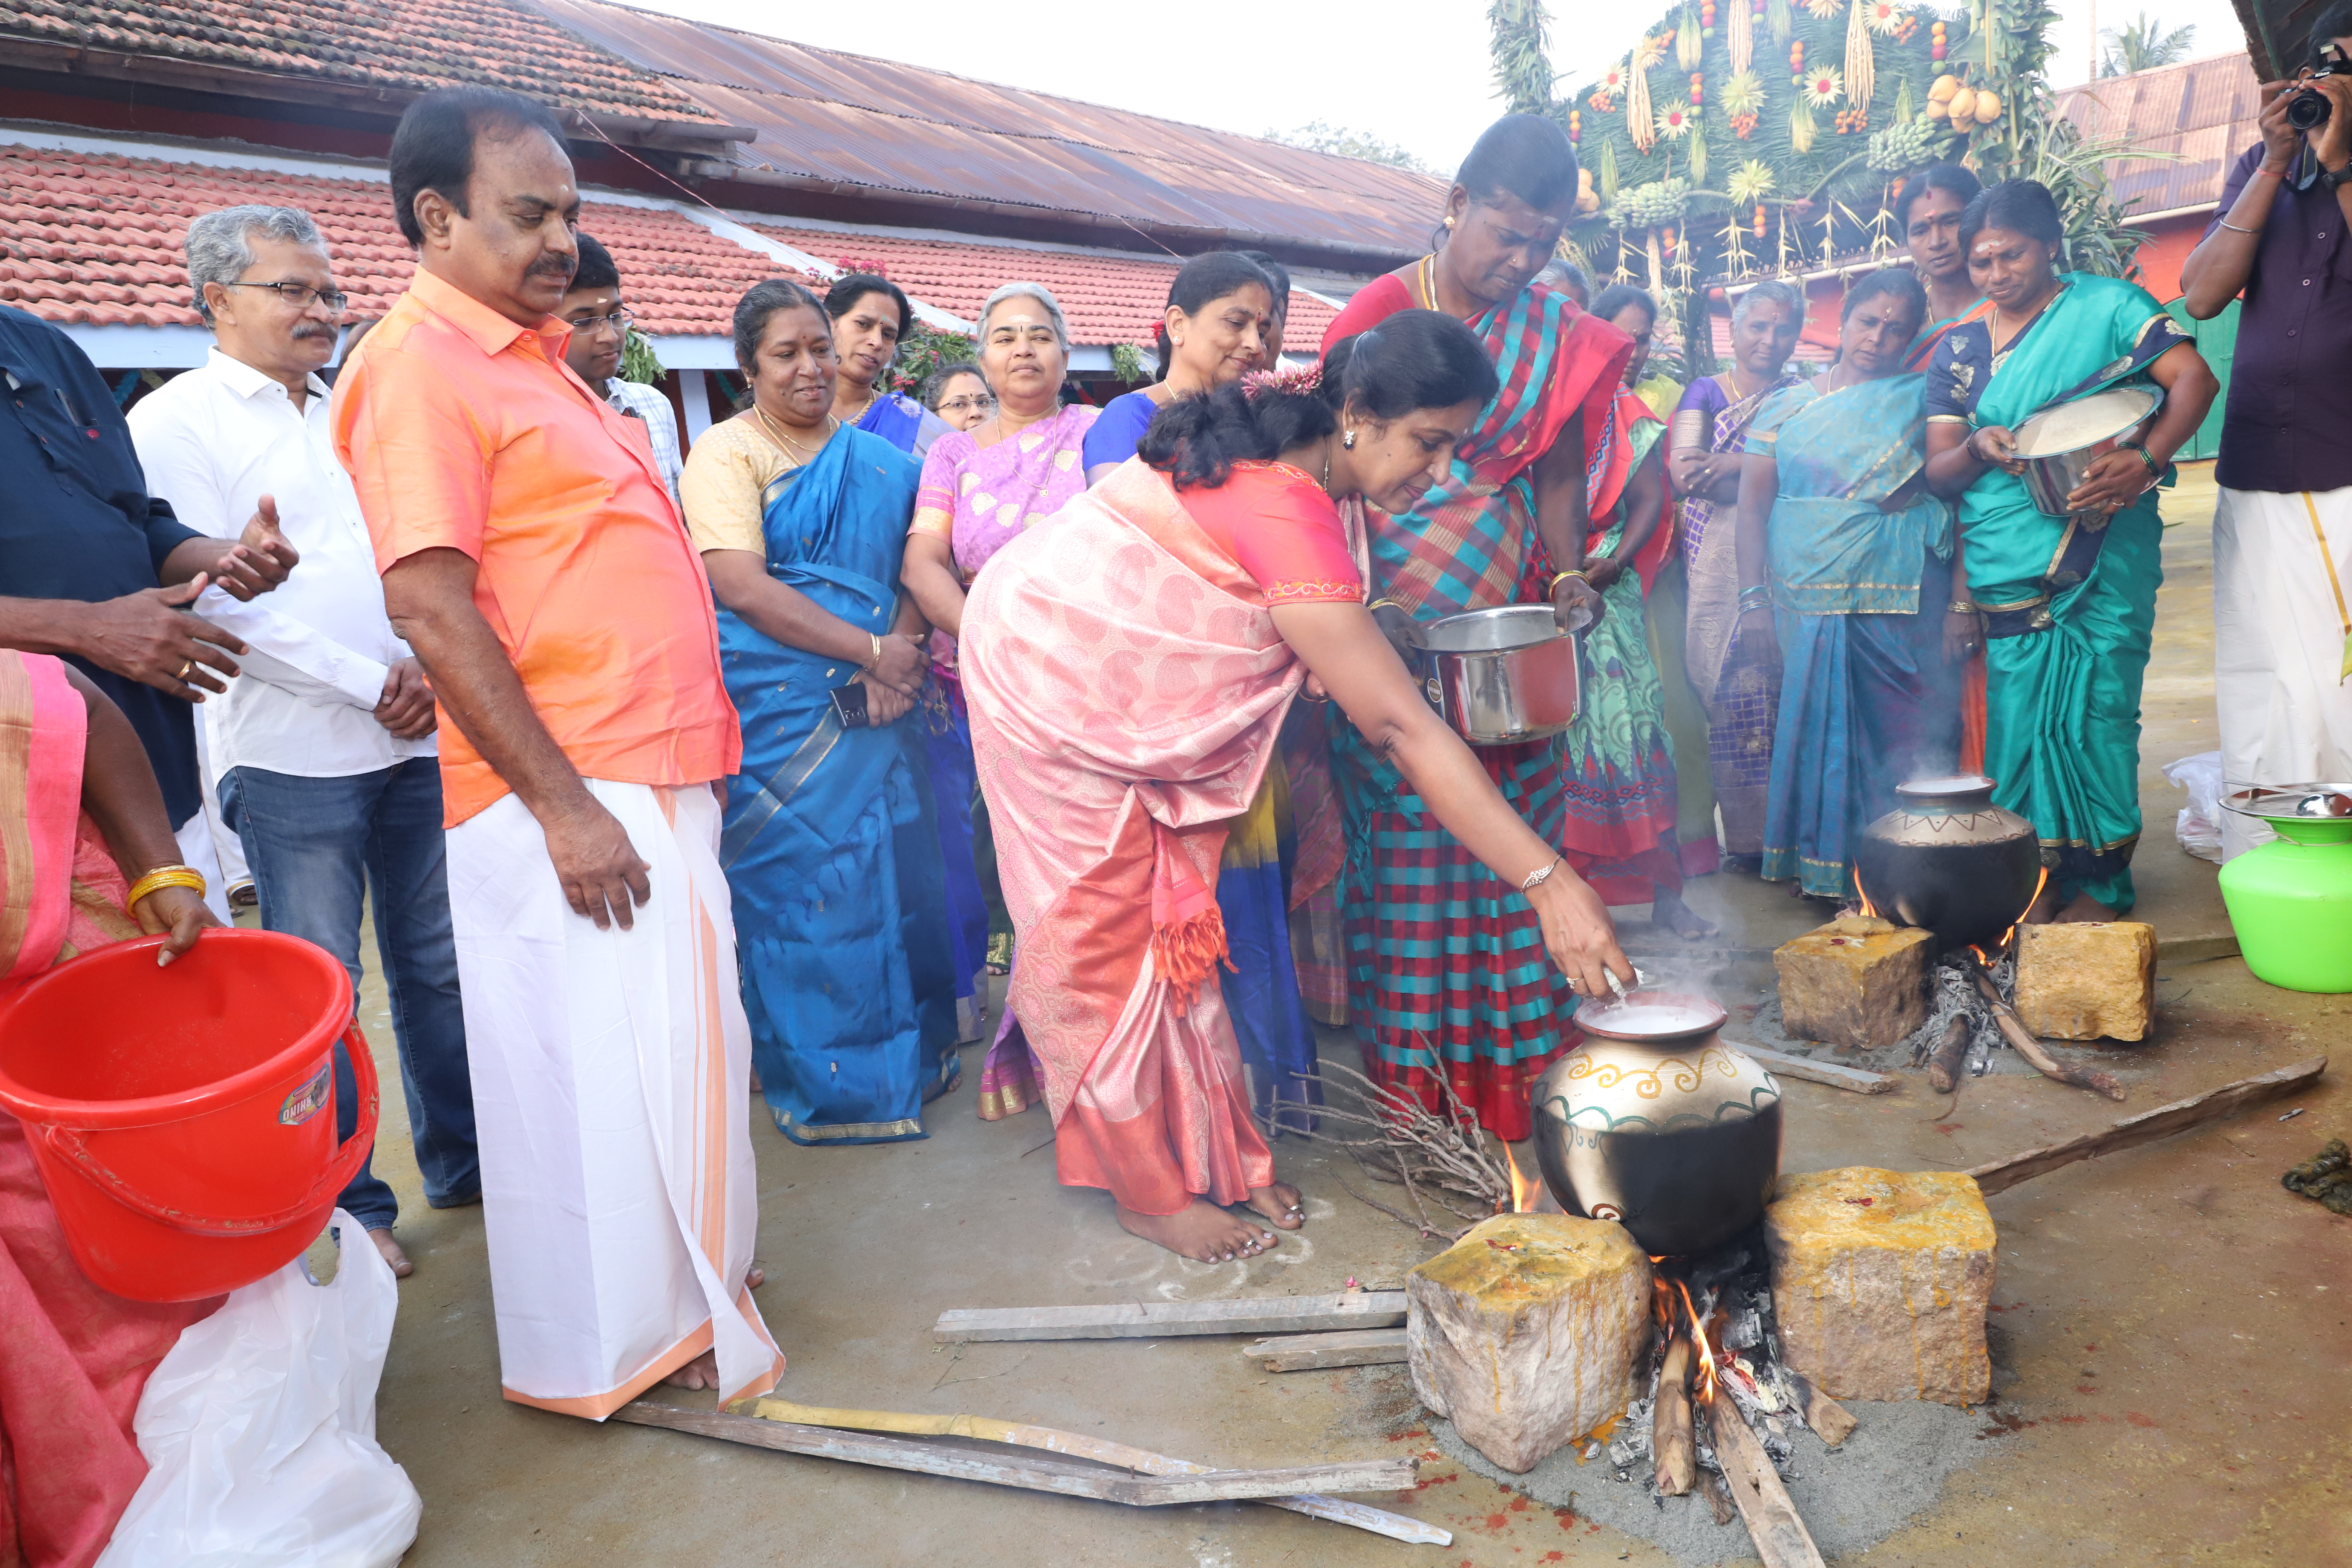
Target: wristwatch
{"type": "Point", "coordinates": [2335, 179]}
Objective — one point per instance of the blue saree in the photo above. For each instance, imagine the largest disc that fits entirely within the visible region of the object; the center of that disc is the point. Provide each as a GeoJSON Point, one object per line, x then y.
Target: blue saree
{"type": "Point", "coordinates": [1860, 571]}
{"type": "Point", "coordinates": [830, 841]}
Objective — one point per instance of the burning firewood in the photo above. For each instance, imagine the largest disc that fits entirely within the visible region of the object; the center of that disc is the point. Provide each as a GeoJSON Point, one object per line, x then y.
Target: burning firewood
{"type": "Point", "coordinates": [1780, 1536]}
{"type": "Point", "coordinates": [1831, 1421]}
{"type": "Point", "coordinates": [2013, 1029]}
{"type": "Point", "coordinates": [1671, 1439]}
{"type": "Point", "coordinates": [1946, 1061]}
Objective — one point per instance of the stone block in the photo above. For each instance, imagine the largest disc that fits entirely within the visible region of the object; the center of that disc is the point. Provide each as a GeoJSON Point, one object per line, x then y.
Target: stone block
{"type": "Point", "coordinates": [1858, 981]}
{"type": "Point", "coordinates": [2087, 981]}
{"type": "Point", "coordinates": [1879, 1280]}
{"type": "Point", "coordinates": [1525, 1333]}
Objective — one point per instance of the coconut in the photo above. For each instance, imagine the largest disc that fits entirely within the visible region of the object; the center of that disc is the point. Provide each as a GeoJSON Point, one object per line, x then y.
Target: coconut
{"type": "Point", "coordinates": [1987, 107]}
{"type": "Point", "coordinates": [1963, 106]}
{"type": "Point", "coordinates": [1945, 85]}
{"type": "Point", "coordinates": [1937, 108]}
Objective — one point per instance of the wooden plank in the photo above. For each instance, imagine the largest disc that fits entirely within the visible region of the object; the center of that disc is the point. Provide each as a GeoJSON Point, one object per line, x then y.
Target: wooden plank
{"type": "Point", "coordinates": [1395, 1526]}
{"type": "Point", "coordinates": [1166, 1320]}
{"type": "Point", "coordinates": [1780, 1536]}
{"type": "Point", "coordinates": [2180, 1116]}
{"type": "Point", "coordinates": [1030, 1471]}
{"type": "Point", "coordinates": [1812, 1071]}
{"type": "Point", "coordinates": [1346, 1347]}
{"type": "Point", "coordinates": [2194, 949]}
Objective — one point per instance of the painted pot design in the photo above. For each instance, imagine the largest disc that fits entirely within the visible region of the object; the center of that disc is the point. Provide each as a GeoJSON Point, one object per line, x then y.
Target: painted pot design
{"type": "Point", "coordinates": [1949, 861]}
{"type": "Point", "coordinates": [1655, 1122]}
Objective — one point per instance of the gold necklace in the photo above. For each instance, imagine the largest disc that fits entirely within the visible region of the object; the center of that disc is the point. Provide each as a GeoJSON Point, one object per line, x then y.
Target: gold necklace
{"type": "Point", "coordinates": [871, 394]}
{"type": "Point", "coordinates": [800, 453]}
{"type": "Point", "coordinates": [1997, 340]}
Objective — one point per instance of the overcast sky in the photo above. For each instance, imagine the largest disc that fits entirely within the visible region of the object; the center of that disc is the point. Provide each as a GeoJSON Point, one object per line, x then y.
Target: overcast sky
{"type": "Point", "coordinates": [1416, 77]}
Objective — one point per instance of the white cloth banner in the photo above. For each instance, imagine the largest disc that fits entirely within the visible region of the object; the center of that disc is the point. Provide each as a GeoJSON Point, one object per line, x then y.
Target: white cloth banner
{"type": "Point", "coordinates": [2281, 580]}
{"type": "Point", "coordinates": [610, 1075]}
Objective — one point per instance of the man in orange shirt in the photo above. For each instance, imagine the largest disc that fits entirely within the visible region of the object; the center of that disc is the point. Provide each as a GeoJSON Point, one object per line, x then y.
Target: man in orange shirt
{"type": "Point", "coordinates": [533, 560]}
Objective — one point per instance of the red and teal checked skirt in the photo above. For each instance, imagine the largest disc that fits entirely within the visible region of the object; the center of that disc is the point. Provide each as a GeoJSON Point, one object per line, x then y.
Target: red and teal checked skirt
{"type": "Point", "coordinates": [1447, 967]}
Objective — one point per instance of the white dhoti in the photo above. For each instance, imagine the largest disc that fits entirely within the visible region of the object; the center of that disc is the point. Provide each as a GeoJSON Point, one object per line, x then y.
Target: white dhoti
{"type": "Point", "coordinates": [2281, 583]}
{"type": "Point", "coordinates": [610, 1073]}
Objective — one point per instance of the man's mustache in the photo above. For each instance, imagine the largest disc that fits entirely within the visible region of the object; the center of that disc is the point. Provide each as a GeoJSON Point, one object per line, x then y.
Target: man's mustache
{"type": "Point", "coordinates": [314, 329]}
{"type": "Point", "coordinates": [551, 266]}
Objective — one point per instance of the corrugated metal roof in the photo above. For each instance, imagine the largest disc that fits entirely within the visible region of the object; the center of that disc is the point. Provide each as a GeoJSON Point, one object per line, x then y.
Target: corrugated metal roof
{"type": "Point", "coordinates": [830, 118]}
{"type": "Point", "coordinates": [2200, 110]}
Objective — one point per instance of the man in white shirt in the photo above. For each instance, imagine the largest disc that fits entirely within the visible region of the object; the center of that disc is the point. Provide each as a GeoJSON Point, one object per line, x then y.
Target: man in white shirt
{"type": "Point", "coordinates": [324, 745]}
{"type": "Point", "coordinates": [599, 331]}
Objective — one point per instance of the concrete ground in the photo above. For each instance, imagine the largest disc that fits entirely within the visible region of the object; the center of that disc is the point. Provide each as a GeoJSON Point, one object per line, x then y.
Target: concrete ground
{"type": "Point", "coordinates": [2169, 1334]}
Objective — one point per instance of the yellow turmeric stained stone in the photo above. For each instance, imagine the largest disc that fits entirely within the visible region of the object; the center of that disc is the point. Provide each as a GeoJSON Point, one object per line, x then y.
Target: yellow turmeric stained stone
{"type": "Point", "coordinates": [1879, 1280]}
{"type": "Point", "coordinates": [1858, 981]}
{"type": "Point", "coordinates": [2087, 980]}
{"type": "Point", "coordinates": [1525, 1333]}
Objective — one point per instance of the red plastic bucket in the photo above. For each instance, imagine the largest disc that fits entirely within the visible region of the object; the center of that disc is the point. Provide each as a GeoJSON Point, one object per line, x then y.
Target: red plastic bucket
{"type": "Point", "coordinates": [184, 1118]}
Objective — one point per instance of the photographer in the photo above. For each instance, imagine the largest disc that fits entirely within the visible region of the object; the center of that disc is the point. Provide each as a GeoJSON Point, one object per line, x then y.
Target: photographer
{"type": "Point", "coordinates": [2283, 531]}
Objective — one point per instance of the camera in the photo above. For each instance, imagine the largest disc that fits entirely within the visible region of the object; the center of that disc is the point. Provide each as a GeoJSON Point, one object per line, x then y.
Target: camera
{"type": "Point", "coordinates": [2307, 108]}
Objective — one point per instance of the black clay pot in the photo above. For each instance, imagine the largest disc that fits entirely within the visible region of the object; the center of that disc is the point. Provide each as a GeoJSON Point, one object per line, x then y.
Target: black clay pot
{"type": "Point", "coordinates": [1951, 861]}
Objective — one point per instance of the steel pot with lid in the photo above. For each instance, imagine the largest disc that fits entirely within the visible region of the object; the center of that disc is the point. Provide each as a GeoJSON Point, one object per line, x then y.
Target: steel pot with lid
{"type": "Point", "coordinates": [1655, 1122]}
{"type": "Point", "coordinates": [1500, 676]}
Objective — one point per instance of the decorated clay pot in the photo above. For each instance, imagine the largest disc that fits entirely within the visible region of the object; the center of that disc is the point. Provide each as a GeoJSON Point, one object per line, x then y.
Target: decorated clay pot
{"type": "Point", "coordinates": [1655, 1122]}
{"type": "Point", "coordinates": [1949, 861]}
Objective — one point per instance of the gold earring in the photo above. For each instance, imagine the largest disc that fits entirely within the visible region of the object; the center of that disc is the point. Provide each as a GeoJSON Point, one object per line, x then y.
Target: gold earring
{"type": "Point", "coordinates": [1348, 440]}
{"type": "Point", "coordinates": [1449, 220]}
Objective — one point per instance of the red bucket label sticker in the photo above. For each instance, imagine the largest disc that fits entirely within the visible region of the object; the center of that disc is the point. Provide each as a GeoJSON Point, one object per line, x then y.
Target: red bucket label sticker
{"type": "Point", "coordinates": [308, 1100]}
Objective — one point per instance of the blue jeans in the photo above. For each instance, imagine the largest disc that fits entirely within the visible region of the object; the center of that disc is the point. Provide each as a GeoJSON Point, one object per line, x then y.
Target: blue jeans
{"type": "Point", "coordinates": [314, 844]}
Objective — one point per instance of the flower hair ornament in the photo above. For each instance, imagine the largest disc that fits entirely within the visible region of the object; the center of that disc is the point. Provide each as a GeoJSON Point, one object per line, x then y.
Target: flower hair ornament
{"type": "Point", "coordinates": [1297, 380]}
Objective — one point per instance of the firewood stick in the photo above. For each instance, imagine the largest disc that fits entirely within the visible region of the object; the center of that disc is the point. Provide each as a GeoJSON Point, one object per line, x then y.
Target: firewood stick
{"type": "Point", "coordinates": [1780, 1537]}
{"type": "Point", "coordinates": [1831, 1421]}
{"type": "Point", "coordinates": [1944, 1063]}
{"type": "Point", "coordinates": [2180, 1116]}
{"type": "Point", "coordinates": [1719, 1501]}
{"type": "Point", "coordinates": [1671, 1439]}
{"type": "Point", "coordinates": [2013, 1028]}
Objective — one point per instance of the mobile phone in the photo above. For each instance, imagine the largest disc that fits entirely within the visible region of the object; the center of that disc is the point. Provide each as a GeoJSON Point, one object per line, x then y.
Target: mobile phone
{"type": "Point", "coordinates": [849, 702]}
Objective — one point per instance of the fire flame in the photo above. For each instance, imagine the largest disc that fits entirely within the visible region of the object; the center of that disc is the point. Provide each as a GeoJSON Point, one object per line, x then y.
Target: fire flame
{"type": "Point", "coordinates": [2003, 945]}
{"type": "Point", "coordinates": [1706, 1351]}
{"type": "Point", "coordinates": [1525, 1190]}
{"type": "Point", "coordinates": [1862, 896]}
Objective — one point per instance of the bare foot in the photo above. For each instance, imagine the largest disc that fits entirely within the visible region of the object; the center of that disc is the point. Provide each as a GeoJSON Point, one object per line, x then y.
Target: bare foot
{"type": "Point", "coordinates": [702, 1371]}
{"type": "Point", "coordinates": [1668, 909]}
{"type": "Point", "coordinates": [1200, 1231]}
{"type": "Point", "coordinates": [754, 1276]}
{"type": "Point", "coordinates": [1280, 1205]}
{"type": "Point", "coordinates": [401, 1268]}
{"type": "Point", "coordinates": [2044, 907]}
{"type": "Point", "coordinates": [2085, 910]}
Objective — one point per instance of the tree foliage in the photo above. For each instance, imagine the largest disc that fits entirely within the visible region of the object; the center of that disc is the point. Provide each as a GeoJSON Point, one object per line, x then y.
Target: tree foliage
{"type": "Point", "coordinates": [1321, 136]}
{"type": "Point", "coordinates": [2143, 45]}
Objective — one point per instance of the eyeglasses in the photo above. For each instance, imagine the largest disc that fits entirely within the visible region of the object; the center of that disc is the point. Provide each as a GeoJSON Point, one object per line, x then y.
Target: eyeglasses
{"type": "Point", "coordinates": [299, 295]}
{"type": "Point", "coordinates": [979, 402]}
{"type": "Point", "coordinates": [618, 320]}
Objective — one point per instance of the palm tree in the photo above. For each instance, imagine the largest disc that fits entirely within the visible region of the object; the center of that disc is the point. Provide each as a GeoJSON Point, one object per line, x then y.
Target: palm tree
{"type": "Point", "coordinates": [2142, 45]}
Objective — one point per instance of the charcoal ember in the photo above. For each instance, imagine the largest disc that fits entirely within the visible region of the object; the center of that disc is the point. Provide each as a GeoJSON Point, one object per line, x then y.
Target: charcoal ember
{"type": "Point", "coordinates": [1745, 1330]}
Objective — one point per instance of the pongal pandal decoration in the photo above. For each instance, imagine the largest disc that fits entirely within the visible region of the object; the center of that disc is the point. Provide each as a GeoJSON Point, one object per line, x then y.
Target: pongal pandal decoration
{"type": "Point", "coordinates": [1656, 1124]}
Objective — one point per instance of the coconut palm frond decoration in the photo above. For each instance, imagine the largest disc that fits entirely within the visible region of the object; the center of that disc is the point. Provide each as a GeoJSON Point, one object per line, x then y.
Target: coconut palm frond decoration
{"type": "Point", "coordinates": [1861, 69]}
{"type": "Point", "coordinates": [1907, 108]}
{"type": "Point", "coordinates": [1641, 116]}
{"type": "Point", "coordinates": [1740, 40]}
{"type": "Point", "coordinates": [1801, 126]}
{"type": "Point", "coordinates": [1822, 10]}
{"type": "Point", "coordinates": [1822, 87]}
{"type": "Point", "coordinates": [1675, 121]}
{"type": "Point", "coordinates": [1688, 40]}
{"type": "Point", "coordinates": [1695, 161]}
{"type": "Point", "coordinates": [1607, 178]}
{"type": "Point", "coordinates": [1882, 16]}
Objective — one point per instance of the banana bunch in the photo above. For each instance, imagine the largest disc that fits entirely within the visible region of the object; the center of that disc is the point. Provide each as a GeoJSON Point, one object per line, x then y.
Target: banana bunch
{"type": "Point", "coordinates": [1901, 148]}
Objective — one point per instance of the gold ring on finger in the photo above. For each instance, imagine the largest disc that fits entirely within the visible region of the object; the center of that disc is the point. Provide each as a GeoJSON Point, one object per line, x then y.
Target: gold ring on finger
{"type": "Point", "coordinates": [184, 667]}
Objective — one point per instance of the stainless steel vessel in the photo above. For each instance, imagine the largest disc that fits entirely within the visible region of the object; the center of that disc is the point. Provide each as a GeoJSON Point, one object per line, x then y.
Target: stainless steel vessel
{"type": "Point", "coordinates": [1655, 1122]}
{"type": "Point", "coordinates": [1500, 676]}
{"type": "Point", "coordinates": [2051, 476]}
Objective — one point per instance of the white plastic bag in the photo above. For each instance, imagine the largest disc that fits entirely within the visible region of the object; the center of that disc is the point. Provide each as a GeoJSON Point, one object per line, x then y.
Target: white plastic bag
{"type": "Point", "coordinates": [259, 1430]}
{"type": "Point", "coordinates": [2199, 826]}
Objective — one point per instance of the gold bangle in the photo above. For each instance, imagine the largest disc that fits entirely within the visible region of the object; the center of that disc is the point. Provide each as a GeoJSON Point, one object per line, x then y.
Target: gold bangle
{"type": "Point", "coordinates": [163, 877]}
{"type": "Point", "coordinates": [868, 668]}
{"type": "Point", "coordinates": [1559, 577]}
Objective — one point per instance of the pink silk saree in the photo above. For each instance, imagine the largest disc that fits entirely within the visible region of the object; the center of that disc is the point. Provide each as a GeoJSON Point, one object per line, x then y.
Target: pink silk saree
{"type": "Point", "coordinates": [1127, 689]}
{"type": "Point", "coordinates": [73, 1359]}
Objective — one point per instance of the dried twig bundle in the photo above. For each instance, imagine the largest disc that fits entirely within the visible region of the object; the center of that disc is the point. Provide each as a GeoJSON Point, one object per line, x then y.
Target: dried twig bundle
{"type": "Point", "coordinates": [1437, 1156]}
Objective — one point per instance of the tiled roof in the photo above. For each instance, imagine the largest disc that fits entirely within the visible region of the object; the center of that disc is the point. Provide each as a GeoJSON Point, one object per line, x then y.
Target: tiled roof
{"type": "Point", "coordinates": [1108, 299]}
{"type": "Point", "coordinates": [97, 238]}
{"type": "Point", "coordinates": [2201, 111]}
{"type": "Point", "coordinates": [833, 124]}
{"type": "Point", "coordinates": [411, 45]}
